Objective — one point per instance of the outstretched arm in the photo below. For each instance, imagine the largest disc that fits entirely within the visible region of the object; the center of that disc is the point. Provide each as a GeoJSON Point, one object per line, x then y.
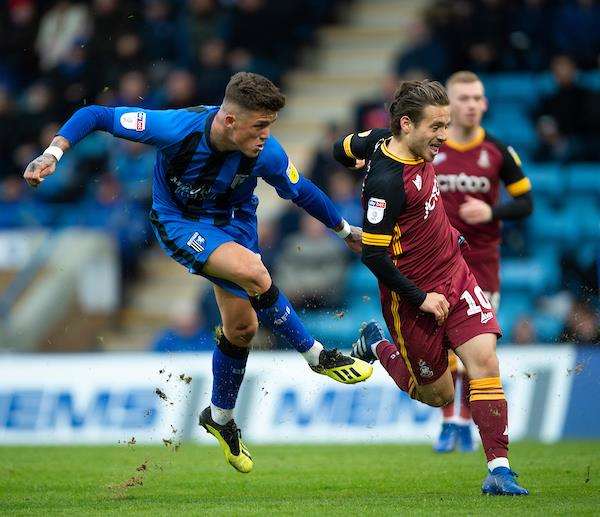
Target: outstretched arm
{"type": "Point", "coordinates": [158, 128]}
{"type": "Point", "coordinates": [280, 172]}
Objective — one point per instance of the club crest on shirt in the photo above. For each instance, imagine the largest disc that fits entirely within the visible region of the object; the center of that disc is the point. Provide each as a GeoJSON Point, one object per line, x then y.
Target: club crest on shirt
{"type": "Point", "coordinates": [375, 210]}
{"type": "Point", "coordinates": [292, 173]}
{"type": "Point", "coordinates": [425, 369]}
{"type": "Point", "coordinates": [484, 159]}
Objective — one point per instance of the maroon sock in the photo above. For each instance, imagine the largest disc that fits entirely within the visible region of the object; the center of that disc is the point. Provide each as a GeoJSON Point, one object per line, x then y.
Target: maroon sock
{"type": "Point", "coordinates": [394, 364]}
{"type": "Point", "coordinates": [490, 414]}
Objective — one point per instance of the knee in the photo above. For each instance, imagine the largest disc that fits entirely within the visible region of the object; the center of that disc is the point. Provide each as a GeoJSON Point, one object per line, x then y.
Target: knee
{"type": "Point", "coordinates": [438, 398]}
{"type": "Point", "coordinates": [241, 333]}
{"type": "Point", "coordinates": [488, 366]}
{"type": "Point", "coordinates": [253, 276]}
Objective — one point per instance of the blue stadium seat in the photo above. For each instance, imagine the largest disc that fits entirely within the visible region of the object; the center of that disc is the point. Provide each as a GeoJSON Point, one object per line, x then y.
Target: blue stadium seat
{"type": "Point", "coordinates": [511, 124]}
{"type": "Point", "coordinates": [515, 87]}
{"type": "Point", "coordinates": [534, 275]}
{"type": "Point", "coordinates": [513, 305]}
{"type": "Point", "coordinates": [584, 178]}
{"type": "Point", "coordinates": [547, 179]}
{"type": "Point", "coordinates": [361, 282]}
{"type": "Point", "coordinates": [590, 80]}
{"type": "Point", "coordinates": [547, 328]}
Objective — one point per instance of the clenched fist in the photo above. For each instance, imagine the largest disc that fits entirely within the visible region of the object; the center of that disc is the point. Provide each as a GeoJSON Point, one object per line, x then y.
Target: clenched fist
{"type": "Point", "coordinates": [437, 305]}
{"type": "Point", "coordinates": [39, 168]}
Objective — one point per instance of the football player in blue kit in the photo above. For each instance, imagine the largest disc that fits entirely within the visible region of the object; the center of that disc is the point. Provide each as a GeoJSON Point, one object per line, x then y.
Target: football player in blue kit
{"type": "Point", "coordinates": [208, 162]}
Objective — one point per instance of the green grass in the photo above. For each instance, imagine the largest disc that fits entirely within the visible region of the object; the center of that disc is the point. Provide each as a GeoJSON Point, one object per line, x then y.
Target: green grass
{"type": "Point", "coordinates": [302, 480]}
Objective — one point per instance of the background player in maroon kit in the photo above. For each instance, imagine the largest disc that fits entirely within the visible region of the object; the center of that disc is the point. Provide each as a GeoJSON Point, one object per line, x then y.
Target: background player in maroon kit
{"type": "Point", "coordinates": [470, 167]}
{"type": "Point", "coordinates": [430, 299]}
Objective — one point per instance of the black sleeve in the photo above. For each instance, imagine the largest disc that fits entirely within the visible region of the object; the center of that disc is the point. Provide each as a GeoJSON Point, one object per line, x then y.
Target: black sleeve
{"type": "Point", "coordinates": [384, 201]}
{"type": "Point", "coordinates": [357, 146]}
{"type": "Point", "coordinates": [517, 185]}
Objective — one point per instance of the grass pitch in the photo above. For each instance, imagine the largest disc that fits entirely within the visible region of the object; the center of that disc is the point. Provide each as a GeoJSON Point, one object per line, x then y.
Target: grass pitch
{"type": "Point", "coordinates": [299, 480]}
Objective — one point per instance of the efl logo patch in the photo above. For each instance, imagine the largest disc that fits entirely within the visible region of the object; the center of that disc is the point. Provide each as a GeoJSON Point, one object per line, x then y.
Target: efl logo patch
{"type": "Point", "coordinates": [135, 120]}
{"type": "Point", "coordinates": [375, 210]}
{"type": "Point", "coordinates": [292, 173]}
{"type": "Point", "coordinates": [196, 242]}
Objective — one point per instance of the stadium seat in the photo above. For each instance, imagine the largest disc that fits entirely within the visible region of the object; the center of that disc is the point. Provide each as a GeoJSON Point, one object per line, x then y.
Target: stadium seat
{"type": "Point", "coordinates": [547, 180]}
{"type": "Point", "coordinates": [547, 328]}
{"type": "Point", "coordinates": [590, 79]}
{"type": "Point", "coordinates": [584, 178]}
{"type": "Point", "coordinates": [514, 87]}
{"type": "Point", "coordinates": [512, 306]}
{"type": "Point", "coordinates": [533, 276]}
{"type": "Point", "coordinates": [361, 282]}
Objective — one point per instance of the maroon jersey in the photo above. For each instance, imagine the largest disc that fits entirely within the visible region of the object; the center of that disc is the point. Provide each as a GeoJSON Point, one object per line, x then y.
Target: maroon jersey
{"type": "Point", "coordinates": [476, 169]}
{"type": "Point", "coordinates": [404, 212]}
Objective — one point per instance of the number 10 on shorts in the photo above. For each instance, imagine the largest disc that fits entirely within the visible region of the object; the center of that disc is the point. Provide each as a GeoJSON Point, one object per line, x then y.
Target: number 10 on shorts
{"type": "Point", "coordinates": [484, 307]}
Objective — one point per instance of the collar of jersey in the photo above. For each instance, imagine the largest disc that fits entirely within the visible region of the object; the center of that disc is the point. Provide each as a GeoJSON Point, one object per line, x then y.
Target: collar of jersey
{"type": "Point", "coordinates": [471, 144]}
{"type": "Point", "coordinates": [390, 154]}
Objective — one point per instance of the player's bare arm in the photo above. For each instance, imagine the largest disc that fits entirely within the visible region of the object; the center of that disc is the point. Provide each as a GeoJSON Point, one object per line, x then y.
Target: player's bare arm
{"type": "Point", "coordinates": [45, 164]}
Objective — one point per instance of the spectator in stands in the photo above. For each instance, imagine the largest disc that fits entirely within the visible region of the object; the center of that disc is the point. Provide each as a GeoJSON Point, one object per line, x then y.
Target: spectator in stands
{"type": "Point", "coordinates": [424, 54]}
{"type": "Point", "coordinates": [186, 333]}
{"type": "Point", "coordinates": [344, 193]}
{"type": "Point", "coordinates": [577, 31]}
{"type": "Point", "coordinates": [552, 145]}
{"type": "Point", "coordinates": [309, 268]}
{"type": "Point", "coordinates": [323, 164]}
{"type": "Point", "coordinates": [8, 136]}
{"type": "Point", "coordinates": [573, 108]}
{"type": "Point", "coordinates": [529, 37]}
{"type": "Point", "coordinates": [374, 112]}
{"type": "Point", "coordinates": [582, 326]}
{"type": "Point", "coordinates": [213, 71]}
{"type": "Point", "coordinates": [60, 28]}
{"type": "Point", "coordinates": [17, 43]}
{"type": "Point", "coordinates": [180, 91]}
{"type": "Point", "coordinates": [523, 332]}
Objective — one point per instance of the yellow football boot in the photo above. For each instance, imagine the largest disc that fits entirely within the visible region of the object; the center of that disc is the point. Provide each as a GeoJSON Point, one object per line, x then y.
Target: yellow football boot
{"type": "Point", "coordinates": [230, 440]}
{"type": "Point", "coordinates": [342, 368]}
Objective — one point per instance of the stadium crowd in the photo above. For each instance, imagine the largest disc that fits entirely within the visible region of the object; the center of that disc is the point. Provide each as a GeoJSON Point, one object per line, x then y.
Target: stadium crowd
{"type": "Point", "coordinates": [60, 55]}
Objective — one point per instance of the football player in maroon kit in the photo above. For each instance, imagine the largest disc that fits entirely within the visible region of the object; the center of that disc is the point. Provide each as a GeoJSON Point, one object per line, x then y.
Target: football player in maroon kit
{"type": "Point", "coordinates": [470, 167]}
{"type": "Point", "coordinates": [430, 299]}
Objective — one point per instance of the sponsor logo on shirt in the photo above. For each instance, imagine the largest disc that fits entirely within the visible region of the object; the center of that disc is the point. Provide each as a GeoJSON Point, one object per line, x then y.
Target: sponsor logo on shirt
{"type": "Point", "coordinates": [375, 210]}
{"type": "Point", "coordinates": [135, 120]}
{"type": "Point", "coordinates": [463, 183]}
{"type": "Point", "coordinates": [432, 201]}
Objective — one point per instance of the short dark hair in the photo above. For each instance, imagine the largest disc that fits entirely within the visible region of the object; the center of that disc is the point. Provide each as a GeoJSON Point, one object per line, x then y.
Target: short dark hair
{"type": "Point", "coordinates": [411, 99]}
{"type": "Point", "coordinates": [254, 92]}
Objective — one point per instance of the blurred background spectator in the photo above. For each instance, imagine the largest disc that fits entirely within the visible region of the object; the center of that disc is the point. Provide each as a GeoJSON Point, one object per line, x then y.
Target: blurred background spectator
{"type": "Point", "coordinates": [539, 60]}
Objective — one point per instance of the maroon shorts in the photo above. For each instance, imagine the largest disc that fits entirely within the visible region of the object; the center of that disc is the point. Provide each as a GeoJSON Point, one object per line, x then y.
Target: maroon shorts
{"type": "Point", "coordinates": [422, 343]}
{"type": "Point", "coordinates": [484, 263]}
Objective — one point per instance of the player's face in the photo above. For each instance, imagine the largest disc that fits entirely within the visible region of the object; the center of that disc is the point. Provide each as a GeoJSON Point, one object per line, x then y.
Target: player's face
{"type": "Point", "coordinates": [426, 138]}
{"type": "Point", "coordinates": [467, 104]}
{"type": "Point", "coordinates": [250, 130]}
